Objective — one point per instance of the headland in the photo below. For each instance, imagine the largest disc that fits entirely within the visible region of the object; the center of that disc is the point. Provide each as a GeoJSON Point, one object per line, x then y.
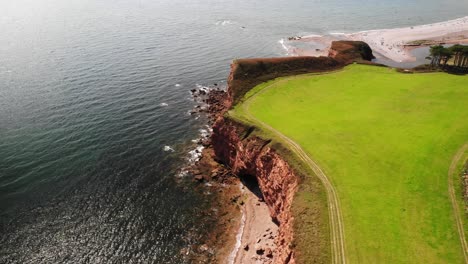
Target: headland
{"type": "Point", "coordinates": [290, 210]}
{"type": "Point", "coordinates": [270, 180]}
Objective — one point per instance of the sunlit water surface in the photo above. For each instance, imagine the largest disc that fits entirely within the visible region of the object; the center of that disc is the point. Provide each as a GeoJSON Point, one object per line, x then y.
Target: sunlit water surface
{"type": "Point", "coordinates": [91, 92]}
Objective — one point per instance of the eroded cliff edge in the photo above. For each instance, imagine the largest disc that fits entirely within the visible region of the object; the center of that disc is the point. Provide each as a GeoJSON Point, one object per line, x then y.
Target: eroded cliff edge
{"type": "Point", "coordinates": [251, 156]}
{"type": "Point", "coordinates": [297, 202]}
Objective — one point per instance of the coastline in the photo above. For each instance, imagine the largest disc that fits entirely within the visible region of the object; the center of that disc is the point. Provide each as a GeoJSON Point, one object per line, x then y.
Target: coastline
{"type": "Point", "coordinates": [244, 231]}
{"type": "Point", "coordinates": [395, 44]}
{"type": "Point", "coordinates": [263, 229]}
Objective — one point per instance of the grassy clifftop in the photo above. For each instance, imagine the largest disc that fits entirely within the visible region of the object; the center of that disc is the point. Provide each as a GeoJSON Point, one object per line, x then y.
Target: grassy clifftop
{"type": "Point", "coordinates": [247, 73]}
{"type": "Point", "coordinates": [386, 141]}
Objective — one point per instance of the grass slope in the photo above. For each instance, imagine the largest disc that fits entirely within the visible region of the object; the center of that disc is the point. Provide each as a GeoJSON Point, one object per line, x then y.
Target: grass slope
{"type": "Point", "coordinates": [386, 140]}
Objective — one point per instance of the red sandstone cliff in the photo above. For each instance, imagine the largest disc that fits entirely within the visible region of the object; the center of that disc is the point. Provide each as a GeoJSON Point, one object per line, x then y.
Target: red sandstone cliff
{"type": "Point", "coordinates": [349, 51]}
{"type": "Point", "coordinates": [246, 154]}
{"type": "Point", "coordinates": [251, 156]}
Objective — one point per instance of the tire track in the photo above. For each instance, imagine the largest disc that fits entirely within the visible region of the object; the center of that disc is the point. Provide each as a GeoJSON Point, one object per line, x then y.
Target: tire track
{"type": "Point", "coordinates": [337, 235]}
{"type": "Point", "coordinates": [453, 198]}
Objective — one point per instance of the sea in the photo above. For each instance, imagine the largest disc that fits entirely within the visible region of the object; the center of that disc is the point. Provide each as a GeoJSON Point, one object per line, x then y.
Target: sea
{"type": "Point", "coordinates": [95, 123]}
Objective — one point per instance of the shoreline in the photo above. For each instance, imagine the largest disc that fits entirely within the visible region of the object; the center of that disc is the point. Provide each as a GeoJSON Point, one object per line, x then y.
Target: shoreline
{"type": "Point", "coordinates": [255, 241]}
{"type": "Point", "coordinates": [395, 44]}
{"type": "Point", "coordinates": [260, 227]}
{"type": "Point", "coordinates": [233, 255]}
{"type": "Point", "coordinates": [245, 231]}
{"type": "Point", "coordinates": [255, 223]}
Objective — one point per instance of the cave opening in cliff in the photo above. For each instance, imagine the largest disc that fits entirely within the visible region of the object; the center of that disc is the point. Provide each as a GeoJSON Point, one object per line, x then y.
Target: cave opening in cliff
{"type": "Point", "coordinates": [251, 183]}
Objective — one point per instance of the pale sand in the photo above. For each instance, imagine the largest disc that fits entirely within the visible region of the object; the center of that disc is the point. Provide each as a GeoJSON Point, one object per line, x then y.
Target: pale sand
{"type": "Point", "coordinates": [393, 43]}
{"type": "Point", "coordinates": [258, 231]}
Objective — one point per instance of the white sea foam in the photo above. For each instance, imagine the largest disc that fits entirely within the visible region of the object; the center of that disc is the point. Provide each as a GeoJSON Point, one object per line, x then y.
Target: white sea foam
{"type": "Point", "coordinates": [195, 154]}
{"type": "Point", "coordinates": [239, 235]}
{"type": "Point", "coordinates": [338, 33]}
{"type": "Point", "coordinates": [163, 104]}
{"type": "Point", "coordinates": [204, 133]}
{"type": "Point", "coordinates": [168, 148]}
{"type": "Point", "coordinates": [177, 85]}
{"type": "Point", "coordinates": [182, 174]}
{"type": "Point", "coordinates": [313, 36]}
{"type": "Point", "coordinates": [203, 88]}
{"type": "Point", "coordinates": [5, 71]}
{"type": "Point", "coordinates": [286, 48]}
{"type": "Point", "coordinates": [224, 22]}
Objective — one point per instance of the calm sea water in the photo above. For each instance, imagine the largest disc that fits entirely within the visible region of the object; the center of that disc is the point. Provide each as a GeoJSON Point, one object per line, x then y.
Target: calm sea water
{"type": "Point", "coordinates": [84, 177]}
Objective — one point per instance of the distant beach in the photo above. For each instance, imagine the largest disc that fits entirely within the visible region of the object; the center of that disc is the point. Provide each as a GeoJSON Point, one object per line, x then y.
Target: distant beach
{"type": "Point", "coordinates": [394, 44]}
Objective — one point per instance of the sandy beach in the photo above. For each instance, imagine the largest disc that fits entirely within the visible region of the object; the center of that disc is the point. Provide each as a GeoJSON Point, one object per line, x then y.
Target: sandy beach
{"type": "Point", "coordinates": [395, 44]}
{"type": "Point", "coordinates": [257, 232]}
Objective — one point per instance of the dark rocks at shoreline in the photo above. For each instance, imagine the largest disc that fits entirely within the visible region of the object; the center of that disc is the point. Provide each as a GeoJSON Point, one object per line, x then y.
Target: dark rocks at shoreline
{"type": "Point", "coordinates": [246, 247]}
{"type": "Point", "coordinates": [295, 38]}
{"type": "Point", "coordinates": [212, 102]}
{"type": "Point", "coordinates": [209, 170]}
{"type": "Point", "coordinates": [203, 248]}
{"type": "Point", "coordinates": [260, 251]}
{"type": "Point", "coordinates": [199, 178]}
{"type": "Point", "coordinates": [217, 103]}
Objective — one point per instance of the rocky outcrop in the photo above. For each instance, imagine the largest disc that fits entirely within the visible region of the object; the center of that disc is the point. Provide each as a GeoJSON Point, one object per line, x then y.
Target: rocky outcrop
{"type": "Point", "coordinates": [347, 52]}
{"type": "Point", "coordinates": [251, 156]}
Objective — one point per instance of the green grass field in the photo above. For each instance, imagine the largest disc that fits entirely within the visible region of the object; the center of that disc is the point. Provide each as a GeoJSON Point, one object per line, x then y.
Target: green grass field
{"type": "Point", "coordinates": [386, 141]}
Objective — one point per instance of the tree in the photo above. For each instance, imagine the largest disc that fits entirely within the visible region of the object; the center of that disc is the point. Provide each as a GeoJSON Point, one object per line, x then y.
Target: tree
{"type": "Point", "coordinates": [441, 55]}
{"type": "Point", "coordinates": [436, 52]}
{"type": "Point", "coordinates": [457, 51]}
{"type": "Point", "coordinates": [464, 59]}
{"type": "Point", "coordinates": [445, 55]}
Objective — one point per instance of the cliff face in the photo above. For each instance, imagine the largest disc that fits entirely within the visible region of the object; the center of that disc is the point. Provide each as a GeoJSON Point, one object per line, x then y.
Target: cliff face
{"type": "Point", "coordinates": [252, 156]}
